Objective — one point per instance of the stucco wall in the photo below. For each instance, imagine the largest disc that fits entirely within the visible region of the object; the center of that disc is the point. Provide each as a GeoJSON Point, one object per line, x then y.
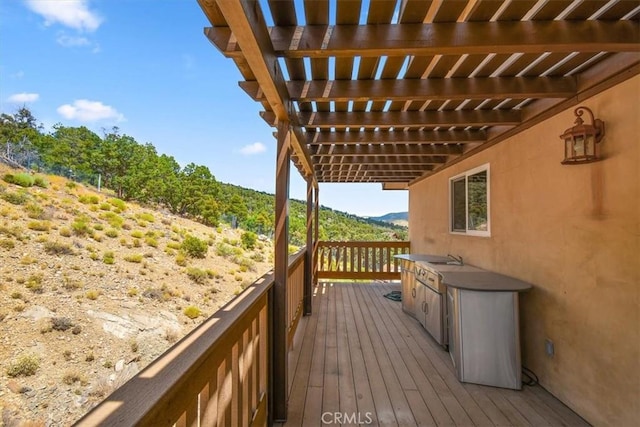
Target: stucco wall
{"type": "Point", "coordinates": [574, 232]}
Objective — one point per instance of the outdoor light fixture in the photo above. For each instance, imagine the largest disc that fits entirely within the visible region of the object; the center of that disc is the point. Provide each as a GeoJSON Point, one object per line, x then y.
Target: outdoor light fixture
{"type": "Point", "coordinates": [580, 140]}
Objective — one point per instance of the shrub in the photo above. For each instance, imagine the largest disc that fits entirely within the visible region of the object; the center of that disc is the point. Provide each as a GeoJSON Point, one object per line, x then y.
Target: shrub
{"type": "Point", "coordinates": [61, 323]}
{"type": "Point", "coordinates": [34, 283]}
{"type": "Point", "coordinates": [57, 248]}
{"type": "Point", "coordinates": [92, 294]}
{"type": "Point", "coordinates": [152, 294]}
{"type": "Point", "coordinates": [151, 242]}
{"type": "Point", "coordinates": [72, 377]}
{"type": "Point", "coordinates": [71, 284]}
{"type": "Point", "coordinates": [108, 258]}
{"type": "Point", "coordinates": [80, 226]}
{"type": "Point", "coordinates": [89, 200]}
{"type": "Point", "coordinates": [25, 366]}
{"type": "Point", "coordinates": [174, 245]}
{"type": "Point", "coordinates": [192, 312]}
{"type": "Point", "coordinates": [248, 239]}
{"type": "Point", "coordinates": [112, 232]}
{"type": "Point", "coordinates": [137, 234]}
{"type": "Point", "coordinates": [39, 225]}
{"type": "Point", "coordinates": [244, 263]}
{"type": "Point", "coordinates": [194, 247]}
{"type": "Point", "coordinates": [15, 198]}
{"type": "Point", "coordinates": [105, 206]}
{"type": "Point", "coordinates": [34, 211]}
{"type": "Point", "coordinates": [114, 220]}
{"type": "Point", "coordinates": [98, 227]}
{"type": "Point", "coordinates": [65, 232]}
{"type": "Point", "coordinates": [40, 181]}
{"type": "Point", "coordinates": [70, 185]}
{"type": "Point", "coordinates": [136, 258]}
{"type": "Point", "coordinates": [181, 260]}
{"type": "Point", "coordinates": [118, 204]}
{"type": "Point", "coordinates": [145, 216]}
{"type": "Point", "coordinates": [197, 275]}
{"type": "Point", "coordinates": [7, 244]}
{"type": "Point", "coordinates": [22, 179]}
{"type": "Point", "coordinates": [27, 260]}
{"type": "Point", "coordinates": [132, 292]}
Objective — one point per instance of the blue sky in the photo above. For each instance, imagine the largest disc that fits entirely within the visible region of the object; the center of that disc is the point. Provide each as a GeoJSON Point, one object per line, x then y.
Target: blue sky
{"type": "Point", "coordinates": [146, 67]}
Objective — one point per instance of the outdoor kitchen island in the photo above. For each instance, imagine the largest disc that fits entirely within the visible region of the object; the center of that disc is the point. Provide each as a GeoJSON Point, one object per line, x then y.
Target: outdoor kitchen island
{"type": "Point", "coordinates": [472, 312]}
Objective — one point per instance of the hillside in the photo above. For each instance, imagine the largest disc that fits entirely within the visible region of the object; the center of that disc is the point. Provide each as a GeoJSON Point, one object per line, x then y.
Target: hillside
{"type": "Point", "coordinates": [396, 218]}
{"type": "Point", "coordinates": [137, 172]}
{"type": "Point", "coordinates": [93, 288]}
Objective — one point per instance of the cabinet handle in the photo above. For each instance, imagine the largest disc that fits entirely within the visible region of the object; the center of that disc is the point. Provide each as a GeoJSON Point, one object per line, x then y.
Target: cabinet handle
{"type": "Point", "coordinates": [426, 308]}
{"type": "Point", "coordinates": [413, 292]}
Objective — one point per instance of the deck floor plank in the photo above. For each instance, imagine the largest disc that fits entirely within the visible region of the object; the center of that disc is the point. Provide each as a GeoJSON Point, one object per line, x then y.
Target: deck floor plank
{"type": "Point", "coordinates": [384, 412]}
{"type": "Point", "coordinates": [361, 354]}
{"type": "Point", "coordinates": [362, 386]}
{"type": "Point", "coordinates": [348, 401]}
{"type": "Point", "coordinates": [331, 390]}
{"type": "Point", "coordinates": [300, 371]}
{"type": "Point", "coordinates": [381, 345]}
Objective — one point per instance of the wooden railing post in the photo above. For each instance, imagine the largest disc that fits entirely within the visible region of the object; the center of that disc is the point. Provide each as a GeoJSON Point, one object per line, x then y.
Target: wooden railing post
{"type": "Point", "coordinates": [316, 241]}
{"type": "Point", "coordinates": [308, 263]}
{"type": "Point", "coordinates": [279, 379]}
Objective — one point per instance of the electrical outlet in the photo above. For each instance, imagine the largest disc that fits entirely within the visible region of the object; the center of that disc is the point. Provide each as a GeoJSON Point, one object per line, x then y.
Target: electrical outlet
{"type": "Point", "coordinates": [549, 348]}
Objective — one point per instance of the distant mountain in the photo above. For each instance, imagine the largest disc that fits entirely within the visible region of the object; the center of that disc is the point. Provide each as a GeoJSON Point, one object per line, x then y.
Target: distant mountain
{"type": "Point", "coordinates": [398, 218]}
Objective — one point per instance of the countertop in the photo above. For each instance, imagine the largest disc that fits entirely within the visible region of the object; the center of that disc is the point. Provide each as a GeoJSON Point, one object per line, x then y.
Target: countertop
{"type": "Point", "coordinates": [469, 277]}
{"type": "Point", "coordinates": [423, 258]}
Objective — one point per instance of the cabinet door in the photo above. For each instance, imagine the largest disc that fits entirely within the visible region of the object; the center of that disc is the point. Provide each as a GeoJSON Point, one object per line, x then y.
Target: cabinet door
{"type": "Point", "coordinates": [433, 314]}
{"type": "Point", "coordinates": [408, 292]}
{"type": "Point", "coordinates": [419, 304]}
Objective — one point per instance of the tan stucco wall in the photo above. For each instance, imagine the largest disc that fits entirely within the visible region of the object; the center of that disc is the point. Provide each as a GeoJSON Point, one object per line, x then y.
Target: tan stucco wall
{"type": "Point", "coordinates": [572, 231]}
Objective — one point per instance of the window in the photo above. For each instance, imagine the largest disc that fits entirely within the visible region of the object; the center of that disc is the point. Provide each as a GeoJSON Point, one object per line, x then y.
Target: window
{"type": "Point", "coordinates": [470, 202]}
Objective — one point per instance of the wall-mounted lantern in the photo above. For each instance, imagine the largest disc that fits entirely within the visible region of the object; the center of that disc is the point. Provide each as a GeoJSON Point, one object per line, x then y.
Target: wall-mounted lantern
{"type": "Point", "coordinates": [581, 140]}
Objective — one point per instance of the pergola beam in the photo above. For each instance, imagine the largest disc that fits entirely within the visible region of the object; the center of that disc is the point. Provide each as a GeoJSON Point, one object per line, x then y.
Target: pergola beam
{"type": "Point", "coordinates": [388, 119]}
{"type": "Point", "coordinates": [503, 37]}
{"type": "Point", "coordinates": [385, 150]}
{"type": "Point", "coordinates": [381, 160]}
{"type": "Point", "coordinates": [422, 89]}
{"type": "Point", "coordinates": [375, 167]}
{"type": "Point", "coordinates": [395, 137]}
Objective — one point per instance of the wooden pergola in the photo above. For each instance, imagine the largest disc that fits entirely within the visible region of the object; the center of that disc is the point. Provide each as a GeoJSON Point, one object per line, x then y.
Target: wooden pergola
{"type": "Point", "coordinates": [401, 89]}
{"type": "Point", "coordinates": [392, 91]}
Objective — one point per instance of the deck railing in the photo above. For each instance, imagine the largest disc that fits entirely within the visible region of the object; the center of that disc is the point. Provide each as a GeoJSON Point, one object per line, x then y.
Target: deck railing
{"type": "Point", "coordinates": [360, 260]}
{"type": "Point", "coordinates": [295, 292]}
{"type": "Point", "coordinates": [217, 375]}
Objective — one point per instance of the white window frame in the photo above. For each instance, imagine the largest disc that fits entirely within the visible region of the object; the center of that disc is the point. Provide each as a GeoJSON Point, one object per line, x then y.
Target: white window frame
{"type": "Point", "coordinates": [465, 175]}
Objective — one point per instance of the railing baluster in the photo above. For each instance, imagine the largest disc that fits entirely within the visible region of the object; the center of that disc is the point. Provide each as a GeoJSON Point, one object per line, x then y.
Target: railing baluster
{"type": "Point", "coordinates": [361, 260]}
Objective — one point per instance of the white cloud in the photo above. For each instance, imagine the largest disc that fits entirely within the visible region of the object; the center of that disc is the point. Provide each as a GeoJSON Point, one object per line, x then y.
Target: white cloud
{"type": "Point", "coordinates": [70, 41]}
{"type": "Point", "coordinates": [23, 98]}
{"type": "Point", "coordinates": [255, 148]}
{"type": "Point", "coordinates": [84, 110]}
{"type": "Point", "coordinates": [70, 13]}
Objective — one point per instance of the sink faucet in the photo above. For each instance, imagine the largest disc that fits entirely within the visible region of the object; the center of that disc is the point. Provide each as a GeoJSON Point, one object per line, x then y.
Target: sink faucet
{"type": "Point", "coordinates": [455, 260]}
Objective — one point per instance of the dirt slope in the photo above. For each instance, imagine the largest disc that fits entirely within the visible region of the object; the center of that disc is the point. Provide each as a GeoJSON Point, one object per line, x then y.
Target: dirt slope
{"type": "Point", "coordinates": [92, 289]}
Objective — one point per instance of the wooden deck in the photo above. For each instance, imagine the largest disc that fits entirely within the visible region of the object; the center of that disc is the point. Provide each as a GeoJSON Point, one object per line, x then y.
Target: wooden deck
{"type": "Point", "coordinates": [361, 357]}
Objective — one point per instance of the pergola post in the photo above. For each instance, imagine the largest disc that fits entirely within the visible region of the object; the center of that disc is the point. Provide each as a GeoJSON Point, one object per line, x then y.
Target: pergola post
{"type": "Point", "coordinates": [309, 258]}
{"type": "Point", "coordinates": [279, 379]}
{"type": "Point", "coordinates": [316, 211]}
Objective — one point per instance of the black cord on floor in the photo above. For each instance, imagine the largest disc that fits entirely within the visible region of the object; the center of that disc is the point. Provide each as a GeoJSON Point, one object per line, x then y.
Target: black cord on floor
{"type": "Point", "coordinates": [532, 377]}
